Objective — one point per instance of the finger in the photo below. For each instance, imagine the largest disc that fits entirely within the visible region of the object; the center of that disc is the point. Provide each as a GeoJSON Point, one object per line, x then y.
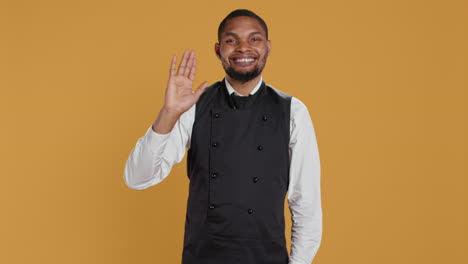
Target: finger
{"type": "Point", "coordinates": [173, 66]}
{"type": "Point", "coordinates": [182, 64]}
{"type": "Point", "coordinates": [193, 69]}
{"type": "Point", "coordinates": [189, 63]}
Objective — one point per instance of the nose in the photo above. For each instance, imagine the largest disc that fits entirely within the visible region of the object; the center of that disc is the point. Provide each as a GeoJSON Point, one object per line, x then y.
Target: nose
{"type": "Point", "coordinates": [243, 46]}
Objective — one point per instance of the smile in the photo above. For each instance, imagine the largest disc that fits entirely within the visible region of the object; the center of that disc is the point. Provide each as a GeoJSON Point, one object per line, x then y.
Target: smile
{"type": "Point", "coordinates": [243, 61]}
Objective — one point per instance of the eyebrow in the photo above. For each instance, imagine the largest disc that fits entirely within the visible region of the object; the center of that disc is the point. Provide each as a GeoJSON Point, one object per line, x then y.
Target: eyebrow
{"type": "Point", "coordinates": [235, 35]}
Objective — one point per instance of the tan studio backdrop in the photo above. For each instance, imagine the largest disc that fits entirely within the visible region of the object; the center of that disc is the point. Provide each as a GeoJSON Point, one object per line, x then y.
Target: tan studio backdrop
{"type": "Point", "coordinates": [385, 83]}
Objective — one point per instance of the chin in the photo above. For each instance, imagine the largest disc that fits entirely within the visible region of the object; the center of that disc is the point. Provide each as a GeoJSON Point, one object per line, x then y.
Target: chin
{"type": "Point", "coordinates": [243, 76]}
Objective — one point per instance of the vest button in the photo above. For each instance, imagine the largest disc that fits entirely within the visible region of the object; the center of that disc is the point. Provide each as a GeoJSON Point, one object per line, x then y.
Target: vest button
{"type": "Point", "coordinates": [250, 211]}
{"type": "Point", "coordinates": [216, 115]}
{"type": "Point", "coordinates": [255, 179]}
{"type": "Point", "coordinates": [260, 147]}
{"type": "Point", "coordinates": [264, 118]}
{"type": "Point", "coordinates": [214, 175]}
{"type": "Point", "coordinates": [215, 144]}
{"type": "Point", "coordinates": [212, 206]}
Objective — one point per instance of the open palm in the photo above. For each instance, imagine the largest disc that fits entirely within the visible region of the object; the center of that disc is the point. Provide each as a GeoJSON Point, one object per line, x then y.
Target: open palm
{"type": "Point", "coordinates": [179, 95]}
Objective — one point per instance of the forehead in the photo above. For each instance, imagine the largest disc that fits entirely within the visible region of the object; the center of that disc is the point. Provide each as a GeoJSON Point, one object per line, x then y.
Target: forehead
{"type": "Point", "coordinates": [243, 25]}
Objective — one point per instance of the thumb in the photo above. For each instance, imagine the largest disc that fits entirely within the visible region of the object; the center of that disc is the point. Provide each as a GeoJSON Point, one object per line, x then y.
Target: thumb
{"type": "Point", "coordinates": [200, 89]}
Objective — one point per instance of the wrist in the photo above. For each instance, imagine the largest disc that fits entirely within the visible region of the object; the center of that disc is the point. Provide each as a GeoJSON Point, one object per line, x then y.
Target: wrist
{"type": "Point", "coordinates": [171, 111]}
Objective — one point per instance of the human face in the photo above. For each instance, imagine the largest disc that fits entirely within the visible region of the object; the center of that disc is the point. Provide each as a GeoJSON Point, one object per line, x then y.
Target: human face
{"type": "Point", "coordinates": [243, 48]}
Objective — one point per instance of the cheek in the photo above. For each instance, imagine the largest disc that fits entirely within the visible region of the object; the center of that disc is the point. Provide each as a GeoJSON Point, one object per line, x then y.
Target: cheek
{"type": "Point", "coordinates": [223, 56]}
{"type": "Point", "coordinates": [225, 60]}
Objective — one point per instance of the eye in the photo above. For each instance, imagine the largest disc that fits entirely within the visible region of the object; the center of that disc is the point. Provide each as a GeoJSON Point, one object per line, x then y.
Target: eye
{"type": "Point", "coordinates": [230, 40]}
{"type": "Point", "coordinates": [255, 39]}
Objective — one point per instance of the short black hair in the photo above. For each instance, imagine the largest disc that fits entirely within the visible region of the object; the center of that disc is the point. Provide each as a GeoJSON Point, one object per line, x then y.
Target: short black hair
{"type": "Point", "coordinates": [238, 13]}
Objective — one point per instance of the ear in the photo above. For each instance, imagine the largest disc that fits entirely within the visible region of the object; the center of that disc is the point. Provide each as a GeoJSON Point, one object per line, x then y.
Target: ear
{"type": "Point", "coordinates": [216, 48]}
{"type": "Point", "coordinates": [268, 47]}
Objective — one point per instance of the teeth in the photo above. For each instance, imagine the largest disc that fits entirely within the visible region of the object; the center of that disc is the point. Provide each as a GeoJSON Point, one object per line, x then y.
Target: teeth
{"type": "Point", "coordinates": [245, 60]}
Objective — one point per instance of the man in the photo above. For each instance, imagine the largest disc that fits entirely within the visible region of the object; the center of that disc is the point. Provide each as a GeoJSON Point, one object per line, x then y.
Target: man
{"type": "Point", "coordinates": [248, 145]}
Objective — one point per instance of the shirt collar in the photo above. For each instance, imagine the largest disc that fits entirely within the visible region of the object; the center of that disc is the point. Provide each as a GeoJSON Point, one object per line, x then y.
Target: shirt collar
{"type": "Point", "coordinates": [231, 90]}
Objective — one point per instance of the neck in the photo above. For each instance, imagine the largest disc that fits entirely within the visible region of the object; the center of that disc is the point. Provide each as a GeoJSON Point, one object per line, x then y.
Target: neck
{"type": "Point", "coordinates": [243, 88]}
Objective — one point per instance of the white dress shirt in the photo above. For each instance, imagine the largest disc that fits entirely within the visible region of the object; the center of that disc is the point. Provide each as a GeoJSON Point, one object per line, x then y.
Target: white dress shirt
{"type": "Point", "coordinates": [154, 154]}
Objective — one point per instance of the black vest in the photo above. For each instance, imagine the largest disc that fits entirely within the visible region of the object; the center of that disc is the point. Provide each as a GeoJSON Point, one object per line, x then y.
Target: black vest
{"type": "Point", "coordinates": [238, 166]}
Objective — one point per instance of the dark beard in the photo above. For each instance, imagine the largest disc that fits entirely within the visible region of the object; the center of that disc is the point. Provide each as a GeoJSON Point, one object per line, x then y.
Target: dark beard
{"type": "Point", "coordinates": [243, 76]}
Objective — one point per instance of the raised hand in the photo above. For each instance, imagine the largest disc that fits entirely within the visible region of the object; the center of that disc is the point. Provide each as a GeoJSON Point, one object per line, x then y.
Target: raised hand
{"type": "Point", "coordinates": [179, 95]}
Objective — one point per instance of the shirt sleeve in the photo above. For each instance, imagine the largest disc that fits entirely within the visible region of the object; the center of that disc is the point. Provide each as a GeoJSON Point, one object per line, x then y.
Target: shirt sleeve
{"type": "Point", "coordinates": [154, 154]}
{"type": "Point", "coordinates": [304, 187]}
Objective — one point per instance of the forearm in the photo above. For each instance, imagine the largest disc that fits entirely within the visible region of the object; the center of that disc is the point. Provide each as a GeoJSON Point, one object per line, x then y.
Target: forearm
{"type": "Point", "coordinates": [306, 233]}
{"type": "Point", "coordinates": [306, 211]}
{"type": "Point", "coordinates": [304, 200]}
{"type": "Point", "coordinates": [145, 165]}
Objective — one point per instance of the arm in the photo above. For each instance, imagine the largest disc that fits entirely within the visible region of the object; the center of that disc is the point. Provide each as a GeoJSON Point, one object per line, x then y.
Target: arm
{"type": "Point", "coordinates": [304, 196]}
{"type": "Point", "coordinates": [163, 144]}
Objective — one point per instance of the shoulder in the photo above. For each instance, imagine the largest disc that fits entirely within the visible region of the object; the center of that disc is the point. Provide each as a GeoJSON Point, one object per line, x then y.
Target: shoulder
{"type": "Point", "coordinates": [279, 93]}
{"type": "Point", "coordinates": [298, 107]}
{"type": "Point", "coordinates": [300, 117]}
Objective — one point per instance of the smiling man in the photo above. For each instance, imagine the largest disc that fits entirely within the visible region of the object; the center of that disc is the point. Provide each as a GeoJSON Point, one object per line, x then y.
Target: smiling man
{"type": "Point", "coordinates": [249, 147]}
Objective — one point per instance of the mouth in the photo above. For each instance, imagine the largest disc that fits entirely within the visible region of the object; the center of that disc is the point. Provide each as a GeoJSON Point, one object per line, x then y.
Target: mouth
{"type": "Point", "coordinates": [242, 61]}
